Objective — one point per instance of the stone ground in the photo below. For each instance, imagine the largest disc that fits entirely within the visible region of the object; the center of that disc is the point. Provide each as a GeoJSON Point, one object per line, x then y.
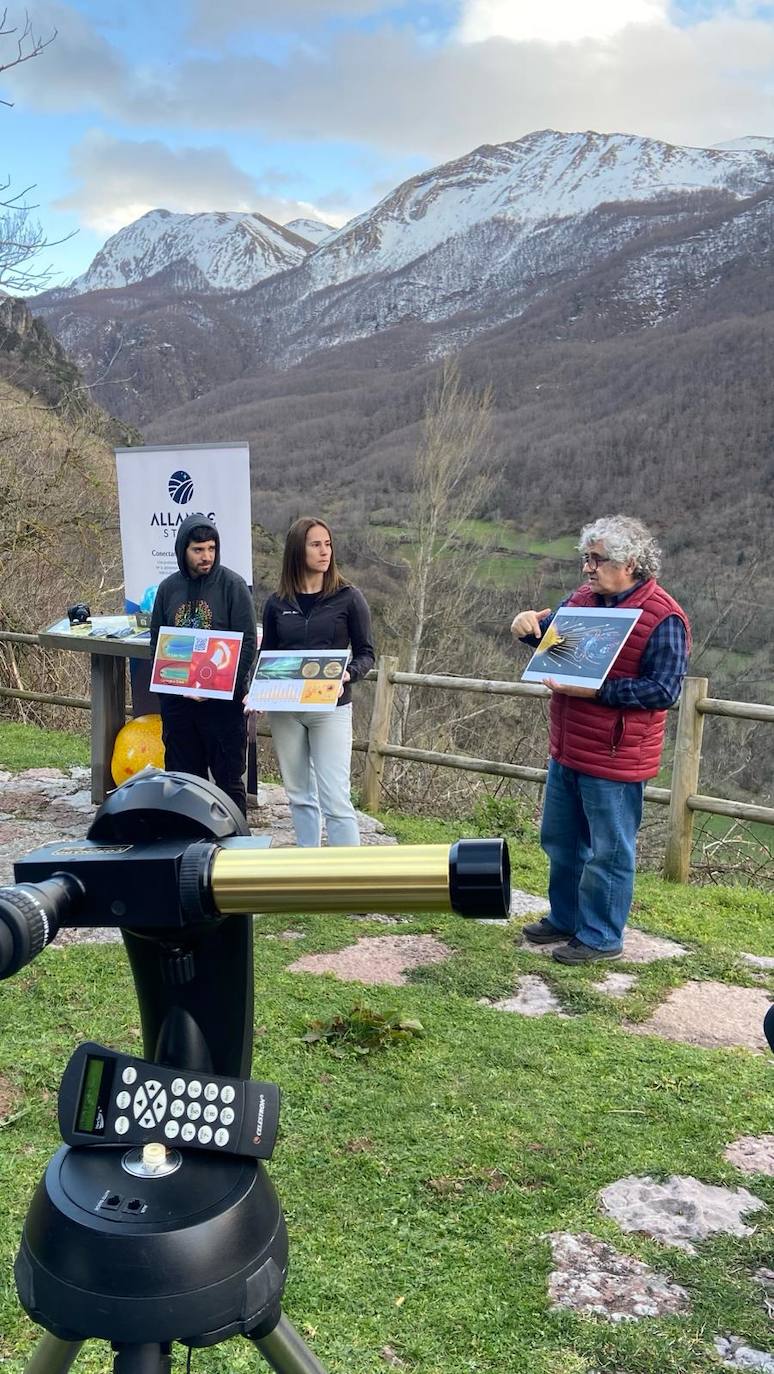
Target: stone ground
{"type": "Point", "coordinates": [589, 1276]}
{"type": "Point", "coordinates": [710, 1014]}
{"type": "Point", "coordinates": [679, 1211]}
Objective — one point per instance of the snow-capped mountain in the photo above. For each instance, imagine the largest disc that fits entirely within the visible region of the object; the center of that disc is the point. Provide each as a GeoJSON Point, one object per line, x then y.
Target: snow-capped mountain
{"type": "Point", "coordinates": [452, 253]}
{"type": "Point", "coordinates": [540, 179]}
{"type": "Point", "coordinates": [216, 251]}
{"type": "Point", "coordinates": [313, 229]}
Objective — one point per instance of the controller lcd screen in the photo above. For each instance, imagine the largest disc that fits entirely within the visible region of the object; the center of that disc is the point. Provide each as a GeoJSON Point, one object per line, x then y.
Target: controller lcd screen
{"type": "Point", "coordinates": [92, 1115]}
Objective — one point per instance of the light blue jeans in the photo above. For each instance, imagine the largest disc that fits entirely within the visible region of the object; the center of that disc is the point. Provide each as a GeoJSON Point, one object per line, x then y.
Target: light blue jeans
{"type": "Point", "coordinates": [589, 832]}
{"type": "Point", "coordinates": [314, 751]}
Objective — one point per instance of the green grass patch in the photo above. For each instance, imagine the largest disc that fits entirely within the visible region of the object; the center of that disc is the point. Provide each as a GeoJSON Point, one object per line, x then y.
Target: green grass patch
{"type": "Point", "coordinates": [29, 746]}
{"type": "Point", "coordinates": [420, 1182]}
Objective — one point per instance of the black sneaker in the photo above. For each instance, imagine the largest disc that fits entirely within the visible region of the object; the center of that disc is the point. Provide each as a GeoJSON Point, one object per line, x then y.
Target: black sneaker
{"type": "Point", "coordinates": [542, 932]}
{"type": "Point", "coordinates": [577, 953]}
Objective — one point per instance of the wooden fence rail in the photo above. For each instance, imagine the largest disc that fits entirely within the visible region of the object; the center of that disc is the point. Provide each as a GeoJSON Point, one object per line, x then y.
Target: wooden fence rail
{"type": "Point", "coordinates": [682, 798]}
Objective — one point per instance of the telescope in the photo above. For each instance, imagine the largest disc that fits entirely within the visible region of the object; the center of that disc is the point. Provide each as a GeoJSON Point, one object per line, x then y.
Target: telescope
{"type": "Point", "coordinates": [156, 1221]}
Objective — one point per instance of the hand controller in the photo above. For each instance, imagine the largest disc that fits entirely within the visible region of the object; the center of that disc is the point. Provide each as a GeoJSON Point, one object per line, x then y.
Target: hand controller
{"type": "Point", "coordinates": [114, 1099]}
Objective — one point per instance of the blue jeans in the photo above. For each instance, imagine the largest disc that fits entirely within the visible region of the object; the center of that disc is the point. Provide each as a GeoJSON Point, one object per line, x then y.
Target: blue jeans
{"type": "Point", "coordinates": [314, 751]}
{"type": "Point", "coordinates": [589, 832]}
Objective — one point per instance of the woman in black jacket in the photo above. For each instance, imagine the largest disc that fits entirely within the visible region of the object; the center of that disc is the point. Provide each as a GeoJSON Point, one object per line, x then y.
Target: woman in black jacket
{"type": "Point", "coordinates": [315, 608]}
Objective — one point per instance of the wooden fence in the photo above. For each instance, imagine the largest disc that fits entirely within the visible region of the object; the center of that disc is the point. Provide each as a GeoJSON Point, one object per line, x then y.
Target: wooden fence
{"type": "Point", "coordinates": [682, 798]}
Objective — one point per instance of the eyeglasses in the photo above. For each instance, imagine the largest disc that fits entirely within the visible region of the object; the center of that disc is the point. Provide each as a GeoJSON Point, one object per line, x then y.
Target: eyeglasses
{"type": "Point", "coordinates": [593, 560]}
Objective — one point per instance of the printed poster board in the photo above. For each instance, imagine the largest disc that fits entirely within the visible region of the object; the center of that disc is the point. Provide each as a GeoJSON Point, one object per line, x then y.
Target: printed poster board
{"type": "Point", "coordinates": [158, 488]}
{"type": "Point", "coordinates": [581, 645]}
{"type": "Point", "coordinates": [307, 680]}
{"type": "Point", "coordinates": [203, 662]}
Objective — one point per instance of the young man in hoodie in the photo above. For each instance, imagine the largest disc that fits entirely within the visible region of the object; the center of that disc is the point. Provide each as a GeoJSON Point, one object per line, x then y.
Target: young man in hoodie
{"type": "Point", "coordinates": [202, 734]}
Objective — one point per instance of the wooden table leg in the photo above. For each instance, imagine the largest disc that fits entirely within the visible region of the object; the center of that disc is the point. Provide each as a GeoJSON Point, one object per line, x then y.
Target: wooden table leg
{"type": "Point", "coordinates": [108, 714]}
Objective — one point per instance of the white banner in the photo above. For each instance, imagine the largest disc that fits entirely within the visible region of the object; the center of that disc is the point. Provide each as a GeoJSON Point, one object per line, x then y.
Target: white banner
{"type": "Point", "coordinates": [158, 488]}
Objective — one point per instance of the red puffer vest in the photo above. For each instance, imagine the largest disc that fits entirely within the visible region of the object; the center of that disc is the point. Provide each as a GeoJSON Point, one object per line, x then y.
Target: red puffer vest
{"type": "Point", "coordinates": [607, 741]}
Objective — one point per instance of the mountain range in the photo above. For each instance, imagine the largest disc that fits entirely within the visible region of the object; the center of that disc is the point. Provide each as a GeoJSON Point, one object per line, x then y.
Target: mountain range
{"type": "Point", "coordinates": [174, 305]}
{"type": "Point", "coordinates": [616, 293]}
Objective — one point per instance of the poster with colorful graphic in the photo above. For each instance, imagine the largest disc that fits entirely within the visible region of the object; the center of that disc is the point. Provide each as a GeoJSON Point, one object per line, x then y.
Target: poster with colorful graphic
{"type": "Point", "coordinates": [308, 680]}
{"type": "Point", "coordinates": [581, 645]}
{"type": "Point", "coordinates": [196, 662]}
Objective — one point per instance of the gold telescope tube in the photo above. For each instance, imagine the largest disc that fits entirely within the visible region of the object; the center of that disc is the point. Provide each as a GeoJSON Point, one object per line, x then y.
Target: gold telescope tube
{"type": "Point", "coordinates": [472, 878]}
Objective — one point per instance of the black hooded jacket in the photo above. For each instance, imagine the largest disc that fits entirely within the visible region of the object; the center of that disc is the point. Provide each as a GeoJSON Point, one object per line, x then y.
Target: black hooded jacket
{"type": "Point", "coordinates": [219, 601]}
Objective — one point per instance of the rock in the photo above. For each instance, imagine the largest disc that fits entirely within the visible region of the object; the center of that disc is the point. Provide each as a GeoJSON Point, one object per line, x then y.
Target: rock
{"type": "Point", "coordinates": [758, 960]}
{"type": "Point", "coordinates": [616, 984]}
{"type": "Point", "coordinates": [765, 1277]}
{"type": "Point", "coordinates": [591, 1276]}
{"type": "Point", "coordinates": [41, 773]}
{"type": "Point", "coordinates": [524, 904]}
{"type": "Point", "coordinates": [77, 801]}
{"type": "Point", "coordinates": [679, 1211]}
{"type": "Point", "coordinates": [533, 998]}
{"type": "Point", "coordinates": [753, 1154]}
{"type": "Point", "coordinates": [737, 1355]}
{"type": "Point", "coordinates": [712, 1014]}
{"type": "Point", "coordinates": [381, 959]}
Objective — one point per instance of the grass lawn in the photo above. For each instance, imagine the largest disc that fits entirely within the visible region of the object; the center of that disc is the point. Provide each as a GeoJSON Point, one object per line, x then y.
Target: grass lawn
{"type": "Point", "coordinates": [27, 746]}
{"type": "Point", "coordinates": [420, 1183]}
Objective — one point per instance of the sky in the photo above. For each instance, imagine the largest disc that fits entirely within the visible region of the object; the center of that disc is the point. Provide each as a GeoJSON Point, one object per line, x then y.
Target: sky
{"type": "Point", "coordinates": [320, 107]}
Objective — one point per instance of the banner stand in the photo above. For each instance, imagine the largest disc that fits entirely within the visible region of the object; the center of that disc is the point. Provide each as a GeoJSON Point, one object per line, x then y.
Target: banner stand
{"type": "Point", "coordinates": [158, 485]}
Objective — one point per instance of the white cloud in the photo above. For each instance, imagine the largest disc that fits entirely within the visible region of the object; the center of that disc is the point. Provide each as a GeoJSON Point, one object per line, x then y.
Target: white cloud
{"type": "Point", "coordinates": [385, 90]}
{"type": "Point", "coordinates": [289, 15]}
{"type": "Point", "coordinates": [119, 180]}
{"type": "Point", "coordinates": [555, 21]}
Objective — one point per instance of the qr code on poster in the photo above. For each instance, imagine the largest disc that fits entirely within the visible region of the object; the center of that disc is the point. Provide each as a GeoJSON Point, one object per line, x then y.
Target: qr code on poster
{"type": "Point", "coordinates": [200, 644]}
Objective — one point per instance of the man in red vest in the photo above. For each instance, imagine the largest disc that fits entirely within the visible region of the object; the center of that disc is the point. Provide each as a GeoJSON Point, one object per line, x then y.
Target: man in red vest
{"type": "Point", "coordinates": [605, 743]}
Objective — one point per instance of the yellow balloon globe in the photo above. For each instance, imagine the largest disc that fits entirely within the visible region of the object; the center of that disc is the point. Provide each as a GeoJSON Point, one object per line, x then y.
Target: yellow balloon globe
{"type": "Point", "coordinates": [137, 745]}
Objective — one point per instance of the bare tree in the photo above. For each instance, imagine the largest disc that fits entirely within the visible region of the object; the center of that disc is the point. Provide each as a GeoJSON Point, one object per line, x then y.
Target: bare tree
{"type": "Point", "coordinates": [450, 485]}
{"type": "Point", "coordinates": [21, 236]}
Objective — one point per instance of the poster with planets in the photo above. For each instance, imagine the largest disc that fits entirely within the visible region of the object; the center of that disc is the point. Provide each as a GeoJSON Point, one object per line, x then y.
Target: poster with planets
{"type": "Point", "coordinates": [302, 680]}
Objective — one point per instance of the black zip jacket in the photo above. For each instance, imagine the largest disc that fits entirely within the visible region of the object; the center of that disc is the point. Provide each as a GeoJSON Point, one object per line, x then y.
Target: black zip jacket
{"type": "Point", "coordinates": [339, 621]}
{"type": "Point", "coordinates": [219, 601]}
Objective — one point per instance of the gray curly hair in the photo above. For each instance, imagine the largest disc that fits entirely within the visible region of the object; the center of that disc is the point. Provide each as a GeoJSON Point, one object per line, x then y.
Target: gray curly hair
{"type": "Point", "coordinates": [625, 540]}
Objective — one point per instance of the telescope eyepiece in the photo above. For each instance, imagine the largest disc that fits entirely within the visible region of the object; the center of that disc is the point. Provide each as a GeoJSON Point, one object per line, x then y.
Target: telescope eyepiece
{"type": "Point", "coordinates": [30, 916]}
{"type": "Point", "coordinates": [480, 879]}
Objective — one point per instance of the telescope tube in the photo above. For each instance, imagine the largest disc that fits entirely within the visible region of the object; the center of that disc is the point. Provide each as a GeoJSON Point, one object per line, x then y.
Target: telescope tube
{"type": "Point", "coordinates": [471, 878]}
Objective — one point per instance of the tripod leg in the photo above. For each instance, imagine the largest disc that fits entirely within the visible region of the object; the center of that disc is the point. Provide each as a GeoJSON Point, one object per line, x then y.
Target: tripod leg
{"type": "Point", "coordinates": [52, 1356]}
{"type": "Point", "coordinates": [285, 1351]}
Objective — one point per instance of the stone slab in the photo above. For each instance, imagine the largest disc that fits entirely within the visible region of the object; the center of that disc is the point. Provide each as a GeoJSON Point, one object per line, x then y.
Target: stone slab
{"type": "Point", "coordinates": [380, 959]}
{"type": "Point", "coordinates": [533, 997]}
{"type": "Point", "coordinates": [712, 1014]}
{"type": "Point", "coordinates": [679, 1211]}
{"type": "Point", "coordinates": [736, 1354]}
{"type": "Point", "coordinates": [752, 1154]}
{"type": "Point", "coordinates": [593, 1277]}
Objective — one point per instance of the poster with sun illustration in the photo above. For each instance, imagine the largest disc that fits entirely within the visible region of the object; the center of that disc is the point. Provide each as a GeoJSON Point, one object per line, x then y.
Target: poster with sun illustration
{"type": "Point", "coordinates": [581, 645]}
{"type": "Point", "coordinates": [199, 662]}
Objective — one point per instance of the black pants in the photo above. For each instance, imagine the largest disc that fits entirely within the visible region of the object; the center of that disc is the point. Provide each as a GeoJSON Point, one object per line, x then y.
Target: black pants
{"type": "Point", "coordinates": [203, 737]}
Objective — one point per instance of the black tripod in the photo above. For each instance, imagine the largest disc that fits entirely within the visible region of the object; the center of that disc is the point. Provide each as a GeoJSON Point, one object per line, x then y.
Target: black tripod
{"type": "Point", "coordinates": [139, 1240]}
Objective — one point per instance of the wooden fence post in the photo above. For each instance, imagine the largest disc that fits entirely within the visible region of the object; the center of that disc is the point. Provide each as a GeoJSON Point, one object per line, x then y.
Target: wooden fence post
{"type": "Point", "coordinates": [685, 780]}
{"type": "Point", "coordinates": [379, 732]}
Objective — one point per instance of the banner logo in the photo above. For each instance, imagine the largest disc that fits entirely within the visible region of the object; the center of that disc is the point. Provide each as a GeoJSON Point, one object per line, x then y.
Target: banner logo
{"type": "Point", "coordinates": [181, 487]}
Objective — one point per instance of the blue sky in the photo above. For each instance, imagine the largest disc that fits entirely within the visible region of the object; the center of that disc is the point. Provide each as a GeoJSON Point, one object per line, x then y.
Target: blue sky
{"type": "Point", "coordinates": [308, 107]}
